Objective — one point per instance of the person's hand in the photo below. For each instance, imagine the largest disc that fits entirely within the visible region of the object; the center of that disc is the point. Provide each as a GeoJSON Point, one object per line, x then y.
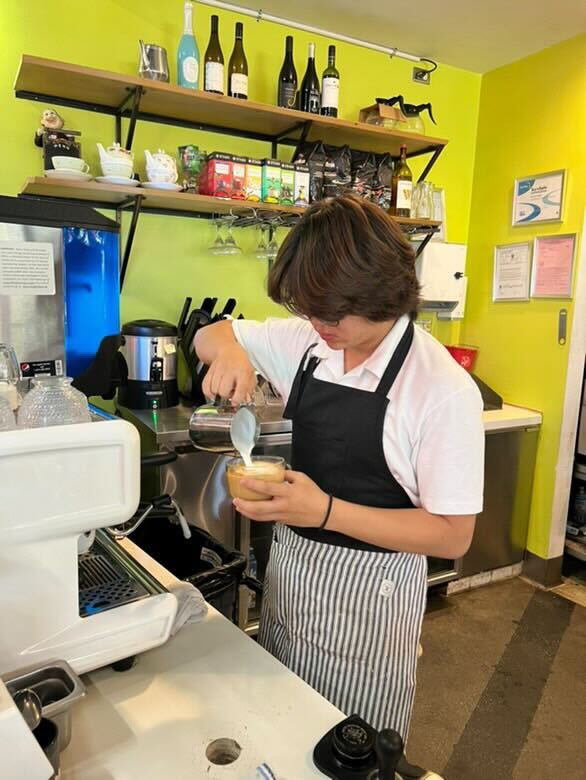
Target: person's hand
{"type": "Point", "coordinates": [231, 376]}
{"type": "Point", "coordinates": [297, 501]}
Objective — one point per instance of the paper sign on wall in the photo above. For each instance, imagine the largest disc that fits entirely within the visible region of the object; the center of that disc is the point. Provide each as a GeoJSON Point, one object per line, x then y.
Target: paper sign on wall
{"type": "Point", "coordinates": [553, 261]}
{"type": "Point", "coordinates": [27, 268]}
{"type": "Point", "coordinates": [512, 269]}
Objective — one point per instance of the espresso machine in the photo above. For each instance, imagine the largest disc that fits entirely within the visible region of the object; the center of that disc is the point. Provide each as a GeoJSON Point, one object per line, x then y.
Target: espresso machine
{"type": "Point", "coordinates": [91, 609]}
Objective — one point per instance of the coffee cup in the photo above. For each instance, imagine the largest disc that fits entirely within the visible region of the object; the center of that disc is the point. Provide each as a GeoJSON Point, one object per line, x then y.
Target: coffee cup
{"type": "Point", "coordinates": [264, 467]}
{"type": "Point", "coordinates": [61, 162]}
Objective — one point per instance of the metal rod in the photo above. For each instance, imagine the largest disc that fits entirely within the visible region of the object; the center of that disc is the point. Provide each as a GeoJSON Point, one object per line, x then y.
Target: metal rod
{"type": "Point", "coordinates": [166, 120]}
{"type": "Point", "coordinates": [431, 163]}
{"type": "Point", "coordinates": [130, 238]}
{"type": "Point", "coordinates": [274, 148]}
{"type": "Point", "coordinates": [424, 243]}
{"type": "Point", "coordinates": [261, 16]}
{"type": "Point", "coordinates": [133, 116]}
{"type": "Point", "coordinates": [118, 129]}
{"type": "Point", "coordinates": [302, 138]}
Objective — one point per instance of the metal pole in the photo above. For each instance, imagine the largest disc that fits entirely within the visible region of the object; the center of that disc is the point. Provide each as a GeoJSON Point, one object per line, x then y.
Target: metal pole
{"type": "Point", "coordinates": [261, 16]}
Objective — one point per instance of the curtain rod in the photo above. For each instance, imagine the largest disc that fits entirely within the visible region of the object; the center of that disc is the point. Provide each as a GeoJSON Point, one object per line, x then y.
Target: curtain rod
{"type": "Point", "coordinates": [261, 16]}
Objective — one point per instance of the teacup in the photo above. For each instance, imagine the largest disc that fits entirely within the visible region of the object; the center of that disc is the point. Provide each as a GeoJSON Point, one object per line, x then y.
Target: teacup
{"type": "Point", "coordinates": [61, 162]}
{"type": "Point", "coordinates": [117, 168]}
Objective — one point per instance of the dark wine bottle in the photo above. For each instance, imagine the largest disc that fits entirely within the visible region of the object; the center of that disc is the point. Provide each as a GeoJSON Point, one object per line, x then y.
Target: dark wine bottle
{"type": "Point", "coordinates": [214, 62]}
{"type": "Point", "coordinates": [287, 90]}
{"type": "Point", "coordinates": [238, 68]}
{"type": "Point", "coordinates": [330, 86]}
{"type": "Point", "coordinates": [309, 95]}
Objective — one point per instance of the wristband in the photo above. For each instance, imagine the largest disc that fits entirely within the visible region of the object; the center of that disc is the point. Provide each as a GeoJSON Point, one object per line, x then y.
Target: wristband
{"type": "Point", "coordinates": [328, 513]}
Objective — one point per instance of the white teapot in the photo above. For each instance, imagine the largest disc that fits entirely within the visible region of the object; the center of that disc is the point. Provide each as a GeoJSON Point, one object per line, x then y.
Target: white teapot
{"type": "Point", "coordinates": [116, 161]}
{"type": "Point", "coordinates": [160, 167]}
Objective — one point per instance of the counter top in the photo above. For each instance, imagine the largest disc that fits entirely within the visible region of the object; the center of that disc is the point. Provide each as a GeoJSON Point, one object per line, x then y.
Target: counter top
{"type": "Point", "coordinates": [511, 417]}
{"type": "Point", "coordinates": [171, 426]}
{"type": "Point", "coordinates": [210, 681]}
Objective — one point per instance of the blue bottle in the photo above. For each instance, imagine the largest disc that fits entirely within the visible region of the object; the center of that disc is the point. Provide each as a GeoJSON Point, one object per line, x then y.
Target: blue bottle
{"type": "Point", "coordinates": [188, 53]}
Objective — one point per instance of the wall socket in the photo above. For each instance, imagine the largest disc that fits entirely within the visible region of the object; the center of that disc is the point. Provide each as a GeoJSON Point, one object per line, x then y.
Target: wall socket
{"type": "Point", "coordinates": [421, 76]}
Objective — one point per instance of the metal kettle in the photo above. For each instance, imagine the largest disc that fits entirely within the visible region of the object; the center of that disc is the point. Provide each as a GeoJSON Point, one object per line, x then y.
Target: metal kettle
{"type": "Point", "coordinates": [209, 426]}
{"type": "Point", "coordinates": [153, 62]}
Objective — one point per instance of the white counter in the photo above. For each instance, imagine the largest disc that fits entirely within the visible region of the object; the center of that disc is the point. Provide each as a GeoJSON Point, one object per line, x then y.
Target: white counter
{"type": "Point", "coordinates": [210, 681]}
{"type": "Point", "coordinates": [510, 417]}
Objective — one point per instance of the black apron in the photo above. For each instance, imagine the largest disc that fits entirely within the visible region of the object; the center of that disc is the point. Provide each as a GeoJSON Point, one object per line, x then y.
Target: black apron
{"type": "Point", "coordinates": [338, 440]}
{"type": "Point", "coordinates": [344, 615]}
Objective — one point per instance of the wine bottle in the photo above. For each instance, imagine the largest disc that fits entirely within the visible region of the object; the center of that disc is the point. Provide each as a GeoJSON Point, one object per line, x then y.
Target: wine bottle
{"type": "Point", "coordinates": [287, 91]}
{"type": "Point", "coordinates": [309, 97]}
{"type": "Point", "coordinates": [330, 86]}
{"type": "Point", "coordinates": [402, 187]}
{"type": "Point", "coordinates": [238, 68]}
{"type": "Point", "coordinates": [188, 53]}
{"type": "Point", "coordinates": [213, 79]}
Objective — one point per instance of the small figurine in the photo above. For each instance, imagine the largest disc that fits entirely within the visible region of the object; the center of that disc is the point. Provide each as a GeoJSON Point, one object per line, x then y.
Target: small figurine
{"type": "Point", "coordinates": [50, 120]}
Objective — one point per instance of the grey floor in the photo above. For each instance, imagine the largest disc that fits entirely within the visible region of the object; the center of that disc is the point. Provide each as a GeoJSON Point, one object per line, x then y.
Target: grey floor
{"type": "Point", "coordinates": [502, 686]}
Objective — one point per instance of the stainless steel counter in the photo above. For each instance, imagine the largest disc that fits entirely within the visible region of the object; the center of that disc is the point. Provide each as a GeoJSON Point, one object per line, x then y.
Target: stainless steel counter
{"type": "Point", "coordinates": [171, 426]}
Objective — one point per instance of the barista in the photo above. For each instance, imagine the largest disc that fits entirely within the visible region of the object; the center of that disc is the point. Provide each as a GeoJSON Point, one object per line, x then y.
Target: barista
{"type": "Point", "coordinates": [387, 456]}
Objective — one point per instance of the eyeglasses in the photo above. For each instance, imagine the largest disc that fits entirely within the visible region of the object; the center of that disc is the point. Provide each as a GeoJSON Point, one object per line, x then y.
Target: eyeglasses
{"type": "Point", "coordinates": [327, 323]}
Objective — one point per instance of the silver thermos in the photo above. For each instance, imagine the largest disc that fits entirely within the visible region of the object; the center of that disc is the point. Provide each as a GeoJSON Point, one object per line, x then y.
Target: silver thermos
{"type": "Point", "coordinates": [150, 353]}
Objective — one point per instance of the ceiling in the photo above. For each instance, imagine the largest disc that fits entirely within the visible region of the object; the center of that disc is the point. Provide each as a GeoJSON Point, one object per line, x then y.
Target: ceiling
{"type": "Point", "coordinates": [477, 35]}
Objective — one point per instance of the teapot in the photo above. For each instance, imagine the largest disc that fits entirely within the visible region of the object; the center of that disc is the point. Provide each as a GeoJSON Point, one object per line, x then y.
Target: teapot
{"type": "Point", "coordinates": [160, 167]}
{"type": "Point", "coordinates": [116, 161]}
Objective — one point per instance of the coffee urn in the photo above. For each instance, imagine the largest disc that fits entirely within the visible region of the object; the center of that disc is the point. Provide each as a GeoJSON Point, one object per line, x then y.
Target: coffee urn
{"type": "Point", "coordinates": [150, 352]}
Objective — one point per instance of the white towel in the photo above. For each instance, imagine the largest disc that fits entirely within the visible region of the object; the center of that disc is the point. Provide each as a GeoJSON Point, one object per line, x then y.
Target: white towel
{"type": "Point", "coordinates": [191, 605]}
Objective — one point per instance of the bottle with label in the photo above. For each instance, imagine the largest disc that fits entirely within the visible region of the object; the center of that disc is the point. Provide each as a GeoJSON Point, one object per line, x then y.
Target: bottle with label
{"type": "Point", "coordinates": [188, 52]}
{"type": "Point", "coordinates": [287, 91]}
{"type": "Point", "coordinates": [238, 68]}
{"type": "Point", "coordinates": [213, 78]}
{"type": "Point", "coordinates": [309, 96]}
{"type": "Point", "coordinates": [330, 86]}
{"type": "Point", "coordinates": [402, 187]}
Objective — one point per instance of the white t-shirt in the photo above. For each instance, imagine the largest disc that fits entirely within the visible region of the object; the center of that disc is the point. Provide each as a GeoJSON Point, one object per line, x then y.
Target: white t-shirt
{"type": "Point", "coordinates": [433, 436]}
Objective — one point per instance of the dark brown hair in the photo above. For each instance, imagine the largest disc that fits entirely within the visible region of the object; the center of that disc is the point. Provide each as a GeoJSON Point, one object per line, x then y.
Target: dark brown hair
{"type": "Point", "coordinates": [345, 256]}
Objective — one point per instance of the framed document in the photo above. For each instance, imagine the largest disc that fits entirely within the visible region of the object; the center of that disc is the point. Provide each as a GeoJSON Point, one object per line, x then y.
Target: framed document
{"type": "Point", "coordinates": [538, 199]}
{"type": "Point", "coordinates": [512, 272]}
{"type": "Point", "coordinates": [553, 263]}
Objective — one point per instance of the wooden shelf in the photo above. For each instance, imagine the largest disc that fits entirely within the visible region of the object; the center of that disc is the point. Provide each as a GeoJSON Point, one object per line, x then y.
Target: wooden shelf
{"type": "Point", "coordinates": [575, 549]}
{"type": "Point", "coordinates": [106, 92]}
{"type": "Point", "coordinates": [112, 196]}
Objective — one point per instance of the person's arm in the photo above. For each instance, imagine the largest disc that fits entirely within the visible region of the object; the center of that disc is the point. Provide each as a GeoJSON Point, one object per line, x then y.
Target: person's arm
{"type": "Point", "coordinates": [231, 374]}
{"type": "Point", "coordinates": [301, 502]}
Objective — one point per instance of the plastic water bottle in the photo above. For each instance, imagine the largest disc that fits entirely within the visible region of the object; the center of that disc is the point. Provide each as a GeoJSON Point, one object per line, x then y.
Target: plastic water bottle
{"type": "Point", "coordinates": [252, 572]}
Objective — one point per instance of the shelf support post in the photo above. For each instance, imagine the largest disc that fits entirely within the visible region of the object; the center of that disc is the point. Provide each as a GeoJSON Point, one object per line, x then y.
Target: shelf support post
{"type": "Point", "coordinates": [303, 137]}
{"type": "Point", "coordinates": [130, 238]}
{"type": "Point", "coordinates": [438, 150]}
{"type": "Point", "coordinates": [134, 95]}
{"type": "Point", "coordinates": [424, 243]}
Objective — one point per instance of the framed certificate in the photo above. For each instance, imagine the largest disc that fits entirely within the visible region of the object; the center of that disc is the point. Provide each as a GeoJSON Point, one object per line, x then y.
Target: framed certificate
{"type": "Point", "coordinates": [553, 264]}
{"type": "Point", "coordinates": [512, 272]}
{"type": "Point", "coordinates": [538, 199]}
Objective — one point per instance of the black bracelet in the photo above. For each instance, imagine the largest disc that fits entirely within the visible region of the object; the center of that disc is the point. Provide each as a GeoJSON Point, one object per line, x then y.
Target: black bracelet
{"type": "Point", "coordinates": [328, 513]}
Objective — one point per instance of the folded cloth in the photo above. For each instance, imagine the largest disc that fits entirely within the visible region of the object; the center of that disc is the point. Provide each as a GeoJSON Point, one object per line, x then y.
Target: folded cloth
{"type": "Point", "coordinates": [191, 605]}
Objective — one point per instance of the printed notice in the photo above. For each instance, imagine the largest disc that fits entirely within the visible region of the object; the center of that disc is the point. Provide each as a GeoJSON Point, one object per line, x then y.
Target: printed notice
{"type": "Point", "coordinates": [26, 268]}
{"type": "Point", "coordinates": [552, 266]}
{"type": "Point", "coordinates": [512, 266]}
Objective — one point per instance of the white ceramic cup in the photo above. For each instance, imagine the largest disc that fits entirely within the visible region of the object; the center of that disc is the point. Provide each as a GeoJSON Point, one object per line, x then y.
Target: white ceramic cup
{"type": "Point", "coordinates": [61, 162]}
{"type": "Point", "coordinates": [117, 168]}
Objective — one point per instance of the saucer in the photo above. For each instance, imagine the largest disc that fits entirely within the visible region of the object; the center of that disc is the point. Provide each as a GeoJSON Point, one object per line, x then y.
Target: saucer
{"type": "Point", "coordinates": [118, 180]}
{"type": "Point", "coordinates": [161, 185]}
{"type": "Point", "coordinates": [68, 173]}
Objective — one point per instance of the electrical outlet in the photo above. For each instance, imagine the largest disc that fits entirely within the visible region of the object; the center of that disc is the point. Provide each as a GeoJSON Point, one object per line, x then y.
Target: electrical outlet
{"type": "Point", "coordinates": [421, 76]}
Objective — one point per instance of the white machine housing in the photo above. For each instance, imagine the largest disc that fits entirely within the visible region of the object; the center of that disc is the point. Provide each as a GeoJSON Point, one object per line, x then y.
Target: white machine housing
{"type": "Point", "coordinates": [55, 484]}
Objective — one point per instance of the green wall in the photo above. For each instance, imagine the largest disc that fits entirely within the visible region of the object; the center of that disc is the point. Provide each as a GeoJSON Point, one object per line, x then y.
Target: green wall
{"type": "Point", "coordinates": [532, 120]}
{"type": "Point", "coordinates": [169, 258]}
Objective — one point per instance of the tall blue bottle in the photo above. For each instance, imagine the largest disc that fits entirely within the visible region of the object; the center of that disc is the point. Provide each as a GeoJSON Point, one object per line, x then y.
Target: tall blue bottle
{"type": "Point", "coordinates": [188, 53]}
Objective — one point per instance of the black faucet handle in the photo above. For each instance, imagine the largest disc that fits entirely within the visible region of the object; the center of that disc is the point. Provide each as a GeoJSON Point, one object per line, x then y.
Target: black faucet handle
{"type": "Point", "coordinates": [389, 749]}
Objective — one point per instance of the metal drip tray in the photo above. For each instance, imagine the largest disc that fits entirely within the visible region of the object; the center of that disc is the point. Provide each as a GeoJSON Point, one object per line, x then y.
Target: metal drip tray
{"type": "Point", "coordinates": [107, 580]}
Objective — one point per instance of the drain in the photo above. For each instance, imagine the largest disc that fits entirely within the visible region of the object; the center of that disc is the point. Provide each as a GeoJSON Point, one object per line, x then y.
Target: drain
{"type": "Point", "coordinates": [223, 751]}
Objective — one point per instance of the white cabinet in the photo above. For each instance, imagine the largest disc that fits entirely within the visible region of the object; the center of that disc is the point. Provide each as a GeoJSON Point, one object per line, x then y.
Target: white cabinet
{"type": "Point", "coordinates": [441, 270]}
